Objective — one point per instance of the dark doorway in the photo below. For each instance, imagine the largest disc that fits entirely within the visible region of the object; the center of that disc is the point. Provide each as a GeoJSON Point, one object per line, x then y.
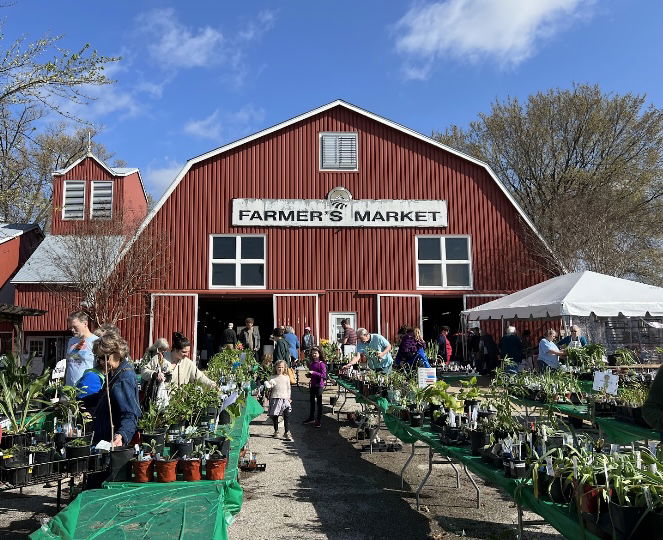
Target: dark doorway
{"type": "Point", "coordinates": [439, 312]}
{"type": "Point", "coordinates": [214, 314]}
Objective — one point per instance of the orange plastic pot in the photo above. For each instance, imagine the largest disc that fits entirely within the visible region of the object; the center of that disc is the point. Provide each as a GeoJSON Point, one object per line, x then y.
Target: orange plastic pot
{"type": "Point", "coordinates": [166, 470]}
{"type": "Point", "coordinates": [191, 471]}
{"type": "Point", "coordinates": [143, 471]}
{"type": "Point", "coordinates": [215, 469]}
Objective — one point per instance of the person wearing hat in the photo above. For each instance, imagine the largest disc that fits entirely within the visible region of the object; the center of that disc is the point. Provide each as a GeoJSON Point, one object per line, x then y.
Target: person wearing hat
{"type": "Point", "coordinates": [308, 341]}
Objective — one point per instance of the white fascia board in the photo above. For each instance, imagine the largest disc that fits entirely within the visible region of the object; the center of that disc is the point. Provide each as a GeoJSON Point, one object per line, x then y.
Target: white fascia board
{"type": "Point", "coordinates": [110, 170]}
{"type": "Point", "coordinates": [358, 110]}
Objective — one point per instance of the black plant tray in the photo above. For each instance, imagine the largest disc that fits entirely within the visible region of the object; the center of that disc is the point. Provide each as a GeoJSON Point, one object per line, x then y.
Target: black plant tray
{"type": "Point", "coordinates": [59, 469]}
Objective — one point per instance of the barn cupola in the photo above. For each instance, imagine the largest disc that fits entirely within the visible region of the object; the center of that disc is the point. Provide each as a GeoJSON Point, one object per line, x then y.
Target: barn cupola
{"type": "Point", "coordinates": [88, 190]}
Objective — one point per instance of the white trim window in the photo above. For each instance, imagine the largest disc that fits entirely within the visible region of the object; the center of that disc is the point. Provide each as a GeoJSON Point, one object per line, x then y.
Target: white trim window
{"type": "Point", "coordinates": [444, 262]}
{"type": "Point", "coordinates": [73, 199]}
{"type": "Point", "coordinates": [338, 151]}
{"type": "Point", "coordinates": [101, 201]}
{"type": "Point", "coordinates": [237, 261]}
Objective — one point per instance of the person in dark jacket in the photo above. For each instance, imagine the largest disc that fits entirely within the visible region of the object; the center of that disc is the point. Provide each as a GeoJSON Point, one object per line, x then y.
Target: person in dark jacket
{"type": "Point", "coordinates": [249, 337]}
{"type": "Point", "coordinates": [318, 374]}
{"type": "Point", "coordinates": [652, 410]}
{"type": "Point", "coordinates": [281, 347]}
{"type": "Point", "coordinates": [111, 351]}
{"type": "Point", "coordinates": [512, 347]}
{"type": "Point", "coordinates": [228, 337]}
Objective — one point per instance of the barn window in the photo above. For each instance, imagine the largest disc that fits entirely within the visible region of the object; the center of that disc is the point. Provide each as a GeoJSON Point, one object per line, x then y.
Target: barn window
{"type": "Point", "coordinates": [444, 262]}
{"type": "Point", "coordinates": [73, 199]}
{"type": "Point", "coordinates": [338, 151]}
{"type": "Point", "coordinates": [102, 200]}
{"type": "Point", "coordinates": [237, 261]}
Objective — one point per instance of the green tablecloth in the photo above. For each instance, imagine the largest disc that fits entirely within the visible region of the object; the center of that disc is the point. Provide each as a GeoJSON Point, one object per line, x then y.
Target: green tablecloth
{"type": "Point", "coordinates": [559, 516]}
{"type": "Point", "coordinates": [618, 432]}
{"type": "Point", "coordinates": [185, 510]}
{"type": "Point", "coordinates": [576, 411]}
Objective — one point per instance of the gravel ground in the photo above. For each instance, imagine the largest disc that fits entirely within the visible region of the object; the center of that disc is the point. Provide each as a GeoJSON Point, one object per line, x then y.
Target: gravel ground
{"type": "Point", "coordinates": [320, 485]}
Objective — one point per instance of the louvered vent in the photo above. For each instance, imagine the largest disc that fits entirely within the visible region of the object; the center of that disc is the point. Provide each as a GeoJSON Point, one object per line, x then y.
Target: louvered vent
{"type": "Point", "coordinates": [102, 200]}
{"type": "Point", "coordinates": [74, 200]}
{"type": "Point", "coordinates": [338, 151]}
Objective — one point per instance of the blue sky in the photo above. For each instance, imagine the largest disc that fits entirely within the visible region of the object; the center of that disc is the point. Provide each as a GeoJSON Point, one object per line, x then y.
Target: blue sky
{"type": "Point", "coordinates": [199, 74]}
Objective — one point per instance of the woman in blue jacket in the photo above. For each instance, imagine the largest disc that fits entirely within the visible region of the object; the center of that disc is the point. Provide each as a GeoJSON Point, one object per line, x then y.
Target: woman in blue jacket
{"type": "Point", "coordinates": [111, 352]}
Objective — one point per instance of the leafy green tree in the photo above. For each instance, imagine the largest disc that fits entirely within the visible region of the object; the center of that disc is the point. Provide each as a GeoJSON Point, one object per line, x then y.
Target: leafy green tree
{"type": "Point", "coordinates": [587, 167]}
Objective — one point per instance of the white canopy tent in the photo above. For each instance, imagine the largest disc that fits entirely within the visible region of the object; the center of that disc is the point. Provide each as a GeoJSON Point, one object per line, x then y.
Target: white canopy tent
{"type": "Point", "coordinates": [580, 294]}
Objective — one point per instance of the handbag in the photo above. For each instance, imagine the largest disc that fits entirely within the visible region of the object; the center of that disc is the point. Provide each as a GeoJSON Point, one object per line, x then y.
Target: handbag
{"type": "Point", "coordinates": [291, 374]}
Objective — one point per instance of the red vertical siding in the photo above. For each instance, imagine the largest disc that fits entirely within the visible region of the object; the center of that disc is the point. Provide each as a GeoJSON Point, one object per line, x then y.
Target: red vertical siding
{"type": "Point", "coordinates": [298, 312]}
{"type": "Point", "coordinates": [175, 313]}
{"type": "Point", "coordinates": [396, 311]}
{"type": "Point", "coordinates": [348, 301]}
{"type": "Point", "coordinates": [133, 202]}
{"type": "Point", "coordinates": [58, 306]}
{"type": "Point", "coordinates": [9, 258]}
{"type": "Point", "coordinates": [135, 329]}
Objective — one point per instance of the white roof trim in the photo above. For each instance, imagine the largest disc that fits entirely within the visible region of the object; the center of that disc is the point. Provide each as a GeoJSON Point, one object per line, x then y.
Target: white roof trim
{"type": "Point", "coordinates": [110, 170]}
{"type": "Point", "coordinates": [338, 102]}
{"type": "Point", "coordinates": [6, 238]}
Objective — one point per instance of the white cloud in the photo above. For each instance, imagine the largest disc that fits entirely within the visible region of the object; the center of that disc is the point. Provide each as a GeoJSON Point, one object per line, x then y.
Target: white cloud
{"type": "Point", "coordinates": [159, 176]}
{"type": "Point", "coordinates": [176, 45]}
{"type": "Point", "coordinates": [226, 126]}
{"type": "Point", "coordinates": [256, 28]}
{"type": "Point", "coordinates": [505, 31]}
{"type": "Point", "coordinates": [207, 128]}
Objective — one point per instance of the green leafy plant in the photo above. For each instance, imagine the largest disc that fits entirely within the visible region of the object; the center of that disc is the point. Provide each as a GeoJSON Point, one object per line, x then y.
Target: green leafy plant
{"type": "Point", "coordinates": [71, 408]}
{"type": "Point", "coordinates": [188, 402]}
{"type": "Point", "coordinates": [21, 395]}
{"type": "Point", "coordinates": [625, 357]}
{"type": "Point", "coordinates": [154, 419]}
{"type": "Point", "coordinates": [78, 443]}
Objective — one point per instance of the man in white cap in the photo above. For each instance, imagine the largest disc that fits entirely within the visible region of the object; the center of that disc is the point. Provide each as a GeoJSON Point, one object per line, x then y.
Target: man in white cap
{"type": "Point", "coordinates": [308, 341]}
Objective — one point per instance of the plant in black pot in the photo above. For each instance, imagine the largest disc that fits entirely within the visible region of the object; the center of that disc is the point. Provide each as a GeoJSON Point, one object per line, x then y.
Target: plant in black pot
{"type": "Point", "coordinates": [15, 469]}
{"type": "Point", "coordinates": [41, 457]}
{"type": "Point", "coordinates": [153, 425]}
{"type": "Point", "coordinates": [77, 453]}
{"type": "Point", "coordinates": [21, 400]}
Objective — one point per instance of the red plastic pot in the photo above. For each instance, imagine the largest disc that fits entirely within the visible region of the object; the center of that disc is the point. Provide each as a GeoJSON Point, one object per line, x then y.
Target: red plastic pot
{"type": "Point", "coordinates": [215, 469]}
{"type": "Point", "coordinates": [166, 470]}
{"type": "Point", "coordinates": [143, 471]}
{"type": "Point", "coordinates": [191, 471]}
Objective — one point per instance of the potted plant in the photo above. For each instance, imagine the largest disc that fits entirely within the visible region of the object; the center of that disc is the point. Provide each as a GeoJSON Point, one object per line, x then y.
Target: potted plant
{"type": "Point", "coordinates": [153, 425]}
{"type": "Point", "coordinates": [41, 457]}
{"type": "Point", "coordinates": [21, 400]}
{"type": "Point", "coordinates": [215, 467]}
{"type": "Point", "coordinates": [166, 468]}
{"type": "Point", "coordinates": [191, 466]}
{"type": "Point", "coordinates": [15, 463]}
{"type": "Point", "coordinates": [143, 464]}
{"type": "Point", "coordinates": [75, 451]}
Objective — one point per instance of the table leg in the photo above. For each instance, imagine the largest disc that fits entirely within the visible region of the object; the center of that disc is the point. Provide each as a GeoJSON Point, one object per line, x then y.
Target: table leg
{"type": "Point", "coordinates": [453, 466]}
{"type": "Point", "coordinates": [425, 478]}
{"type": "Point", "coordinates": [71, 488]}
{"type": "Point", "coordinates": [519, 535]}
{"type": "Point", "coordinates": [474, 484]}
{"type": "Point", "coordinates": [338, 395]}
{"type": "Point", "coordinates": [406, 464]}
{"type": "Point", "coordinates": [345, 398]}
{"type": "Point", "coordinates": [58, 498]}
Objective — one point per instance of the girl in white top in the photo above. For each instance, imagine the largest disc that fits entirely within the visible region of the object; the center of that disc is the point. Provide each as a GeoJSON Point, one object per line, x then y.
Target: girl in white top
{"type": "Point", "coordinates": [280, 401]}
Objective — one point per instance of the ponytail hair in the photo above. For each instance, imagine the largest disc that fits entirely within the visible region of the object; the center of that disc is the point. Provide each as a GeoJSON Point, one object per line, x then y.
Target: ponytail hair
{"type": "Point", "coordinates": [180, 342]}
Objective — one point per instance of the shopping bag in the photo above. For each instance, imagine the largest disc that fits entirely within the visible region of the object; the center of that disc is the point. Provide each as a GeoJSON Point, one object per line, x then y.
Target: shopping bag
{"type": "Point", "coordinates": [291, 374]}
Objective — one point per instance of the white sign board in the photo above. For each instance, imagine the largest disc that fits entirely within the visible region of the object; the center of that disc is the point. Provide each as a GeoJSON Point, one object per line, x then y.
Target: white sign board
{"type": "Point", "coordinates": [605, 380]}
{"type": "Point", "coordinates": [426, 376]}
{"type": "Point", "coordinates": [58, 372]}
{"type": "Point", "coordinates": [346, 213]}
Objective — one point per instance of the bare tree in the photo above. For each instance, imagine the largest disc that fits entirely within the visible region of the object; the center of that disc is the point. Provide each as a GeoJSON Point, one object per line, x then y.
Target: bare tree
{"type": "Point", "coordinates": [105, 272]}
{"type": "Point", "coordinates": [587, 167]}
{"type": "Point", "coordinates": [38, 78]}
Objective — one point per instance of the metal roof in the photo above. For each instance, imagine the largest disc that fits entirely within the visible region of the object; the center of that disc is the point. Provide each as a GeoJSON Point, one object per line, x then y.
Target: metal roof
{"type": "Point", "coordinates": [41, 268]}
{"type": "Point", "coordinates": [12, 230]}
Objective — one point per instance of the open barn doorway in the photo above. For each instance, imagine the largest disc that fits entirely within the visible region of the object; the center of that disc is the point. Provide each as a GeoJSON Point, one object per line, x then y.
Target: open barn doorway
{"type": "Point", "coordinates": [214, 314]}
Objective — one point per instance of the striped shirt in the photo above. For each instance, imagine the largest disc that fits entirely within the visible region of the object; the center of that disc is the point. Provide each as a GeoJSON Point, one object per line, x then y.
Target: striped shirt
{"type": "Point", "coordinates": [349, 336]}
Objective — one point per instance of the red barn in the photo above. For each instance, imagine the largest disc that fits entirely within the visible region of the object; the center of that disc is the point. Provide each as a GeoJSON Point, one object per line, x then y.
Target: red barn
{"type": "Point", "coordinates": [335, 213]}
{"type": "Point", "coordinates": [17, 242]}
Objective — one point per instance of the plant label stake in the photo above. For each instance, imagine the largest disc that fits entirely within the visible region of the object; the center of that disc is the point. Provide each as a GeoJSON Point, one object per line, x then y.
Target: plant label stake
{"type": "Point", "coordinates": [575, 467]}
{"type": "Point", "coordinates": [549, 466]}
{"type": "Point", "coordinates": [638, 460]}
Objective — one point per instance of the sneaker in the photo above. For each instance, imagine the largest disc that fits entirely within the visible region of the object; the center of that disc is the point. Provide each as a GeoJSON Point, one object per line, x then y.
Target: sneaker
{"type": "Point", "coordinates": [276, 433]}
{"type": "Point", "coordinates": [288, 437]}
{"type": "Point", "coordinates": [317, 424]}
{"type": "Point", "coordinates": [308, 421]}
